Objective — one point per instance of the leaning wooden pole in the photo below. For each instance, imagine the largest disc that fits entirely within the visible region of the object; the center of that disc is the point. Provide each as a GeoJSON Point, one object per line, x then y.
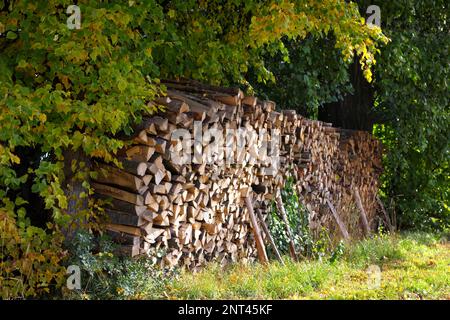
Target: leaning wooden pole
{"type": "Point", "coordinates": [362, 212]}
{"type": "Point", "coordinates": [269, 236]}
{"type": "Point", "coordinates": [386, 216]}
{"type": "Point", "coordinates": [282, 211]}
{"type": "Point", "coordinates": [262, 255]}
{"type": "Point", "coordinates": [341, 225]}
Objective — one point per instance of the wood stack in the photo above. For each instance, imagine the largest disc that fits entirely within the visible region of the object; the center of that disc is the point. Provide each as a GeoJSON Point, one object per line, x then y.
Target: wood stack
{"type": "Point", "coordinates": [195, 211]}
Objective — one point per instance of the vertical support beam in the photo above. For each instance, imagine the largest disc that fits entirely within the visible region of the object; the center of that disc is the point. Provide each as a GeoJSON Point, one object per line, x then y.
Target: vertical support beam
{"type": "Point", "coordinates": [341, 225]}
{"type": "Point", "coordinates": [269, 236]}
{"type": "Point", "coordinates": [262, 255]}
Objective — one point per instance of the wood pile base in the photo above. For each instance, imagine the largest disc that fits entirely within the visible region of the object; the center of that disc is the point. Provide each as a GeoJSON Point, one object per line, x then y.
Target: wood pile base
{"type": "Point", "coordinates": [196, 211]}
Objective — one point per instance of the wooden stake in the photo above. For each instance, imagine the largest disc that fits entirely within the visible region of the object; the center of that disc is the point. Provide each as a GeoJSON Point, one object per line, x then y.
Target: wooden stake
{"type": "Point", "coordinates": [362, 212]}
{"type": "Point", "coordinates": [269, 236]}
{"type": "Point", "coordinates": [262, 255]}
{"type": "Point", "coordinates": [386, 216]}
{"type": "Point", "coordinates": [341, 225]}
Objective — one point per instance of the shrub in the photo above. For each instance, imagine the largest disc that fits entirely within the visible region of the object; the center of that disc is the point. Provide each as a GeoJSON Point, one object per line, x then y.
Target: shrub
{"type": "Point", "coordinates": [29, 258]}
{"type": "Point", "coordinates": [106, 275]}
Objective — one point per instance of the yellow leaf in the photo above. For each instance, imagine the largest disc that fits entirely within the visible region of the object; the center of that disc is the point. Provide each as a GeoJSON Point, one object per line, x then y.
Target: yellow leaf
{"type": "Point", "coordinates": [42, 117]}
{"type": "Point", "coordinates": [171, 13]}
{"type": "Point", "coordinates": [114, 38]}
{"type": "Point", "coordinates": [14, 158]}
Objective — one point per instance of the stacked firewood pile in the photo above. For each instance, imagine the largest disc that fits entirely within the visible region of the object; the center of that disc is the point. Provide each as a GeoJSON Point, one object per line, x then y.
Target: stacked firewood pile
{"type": "Point", "coordinates": [340, 190]}
{"type": "Point", "coordinates": [239, 148]}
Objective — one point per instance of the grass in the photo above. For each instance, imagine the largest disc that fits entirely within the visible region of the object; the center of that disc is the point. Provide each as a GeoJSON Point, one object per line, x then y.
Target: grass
{"type": "Point", "coordinates": [412, 265]}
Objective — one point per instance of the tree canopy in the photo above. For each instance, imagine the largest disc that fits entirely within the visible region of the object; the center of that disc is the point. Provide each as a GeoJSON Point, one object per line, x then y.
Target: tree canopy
{"type": "Point", "coordinates": [409, 101]}
{"type": "Point", "coordinates": [412, 98]}
{"type": "Point", "coordinates": [76, 89]}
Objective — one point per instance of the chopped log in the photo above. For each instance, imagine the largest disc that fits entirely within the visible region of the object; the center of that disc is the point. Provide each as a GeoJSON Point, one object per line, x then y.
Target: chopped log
{"type": "Point", "coordinates": [123, 238]}
{"type": "Point", "coordinates": [114, 176]}
{"type": "Point", "coordinates": [118, 193]}
{"type": "Point", "coordinates": [282, 211]}
{"type": "Point", "coordinates": [140, 153]}
{"type": "Point", "coordinates": [121, 217]}
{"type": "Point", "coordinates": [128, 250]}
{"type": "Point", "coordinates": [138, 168]}
{"type": "Point", "coordinates": [122, 205]}
{"type": "Point", "coordinates": [232, 97]}
{"type": "Point", "coordinates": [124, 229]}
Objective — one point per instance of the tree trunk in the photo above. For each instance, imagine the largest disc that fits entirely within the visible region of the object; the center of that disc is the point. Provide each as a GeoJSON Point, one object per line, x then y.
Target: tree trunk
{"type": "Point", "coordinates": [355, 111]}
{"type": "Point", "coordinates": [73, 189]}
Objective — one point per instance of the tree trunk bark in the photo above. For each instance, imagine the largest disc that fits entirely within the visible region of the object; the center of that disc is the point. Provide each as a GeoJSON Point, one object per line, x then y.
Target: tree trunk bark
{"type": "Point", "coordinates": [74, 176]}
{"type": "Point", "coordinates": [356, 110]}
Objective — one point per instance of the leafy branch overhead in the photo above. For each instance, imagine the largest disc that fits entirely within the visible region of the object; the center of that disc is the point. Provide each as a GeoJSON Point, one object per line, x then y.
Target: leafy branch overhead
{"type": "Point", "coordinates": [64, 89]}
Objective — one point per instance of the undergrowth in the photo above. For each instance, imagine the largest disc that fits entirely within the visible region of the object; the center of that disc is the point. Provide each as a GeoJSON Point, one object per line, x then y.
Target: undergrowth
{"type": "Point", "coordinates": [107, 275]}
{"type": "Point", "coordinates": [411, 266]}
{"type": "Point", "coordinates": [306, 244]}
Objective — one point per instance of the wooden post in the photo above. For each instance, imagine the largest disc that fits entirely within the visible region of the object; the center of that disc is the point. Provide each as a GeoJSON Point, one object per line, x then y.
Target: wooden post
{"type": "Point", "coordinates": [362, 212]}
{"type": "Point", "coordinates": [282, 211]}
{"type": "Point", "coordinates": [262, 255]}
{"type": "Point", "coordinates": [341, 225]}
{"type": "Point", "coordinates": [386, 216]}
{"type": "Point", "coordinates": [269, 236]}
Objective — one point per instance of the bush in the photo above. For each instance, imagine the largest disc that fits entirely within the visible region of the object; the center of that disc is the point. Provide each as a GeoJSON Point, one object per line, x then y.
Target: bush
{"type": "Point", "coordinates": [67, 94]}
{"type": "Point", "coordinates": [106, 275]}
{"type": "Point", "coordinates": [412, 99]}
{"type": "Point", "coordinates": [30, 258]}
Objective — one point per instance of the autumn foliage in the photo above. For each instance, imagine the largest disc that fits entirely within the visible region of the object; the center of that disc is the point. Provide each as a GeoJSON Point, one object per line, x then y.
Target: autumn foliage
{"type": "Point", "coordinates": [63, 89]}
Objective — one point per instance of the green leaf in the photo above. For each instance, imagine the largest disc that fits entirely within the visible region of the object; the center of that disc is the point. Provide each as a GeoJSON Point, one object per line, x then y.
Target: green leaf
{"type": "Point", "coordinates": [11, 35]}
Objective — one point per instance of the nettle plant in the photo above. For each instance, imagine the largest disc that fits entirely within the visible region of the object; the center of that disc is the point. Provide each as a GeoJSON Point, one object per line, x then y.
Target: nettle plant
{"type": "Point", "coordinates": [68, 89]}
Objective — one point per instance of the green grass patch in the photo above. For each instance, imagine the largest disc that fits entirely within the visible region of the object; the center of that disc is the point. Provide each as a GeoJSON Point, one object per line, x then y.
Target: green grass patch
{"type": "Point", "coordinates": [412, 266]}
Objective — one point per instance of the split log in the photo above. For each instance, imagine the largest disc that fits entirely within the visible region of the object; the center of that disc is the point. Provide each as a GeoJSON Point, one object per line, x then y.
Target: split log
{"type": "Point", "coordinates": [119, 194]}
{"type": "Point", "coordinates": [114, 176]}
